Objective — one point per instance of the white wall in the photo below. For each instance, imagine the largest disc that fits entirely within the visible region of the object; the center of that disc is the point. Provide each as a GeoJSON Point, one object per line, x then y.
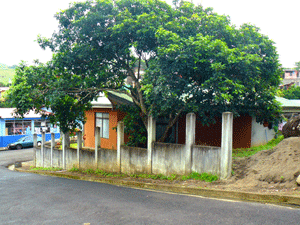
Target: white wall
{"type": "Point", "coordinates": [260, 135]}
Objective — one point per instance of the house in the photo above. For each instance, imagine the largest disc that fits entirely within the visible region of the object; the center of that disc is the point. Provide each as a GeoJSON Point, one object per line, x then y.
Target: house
{"type": "Point", "coordinates": [290, 108]}
{"type": "Point", "coordinates": [13, 128]}
{"type": "Point", "coordinates": [246, 131]}
{"type": "Point", "coordinates": [290, 77]}
{"type": "Point", "coordinates": [104, 115]}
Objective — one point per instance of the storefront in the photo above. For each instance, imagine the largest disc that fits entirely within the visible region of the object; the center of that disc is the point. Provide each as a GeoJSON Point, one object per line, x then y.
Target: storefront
{"type": "Point", "coordinates": [12, 128]}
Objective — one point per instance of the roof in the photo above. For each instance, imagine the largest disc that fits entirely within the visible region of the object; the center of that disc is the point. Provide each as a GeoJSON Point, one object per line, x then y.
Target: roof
{"type": "Point", "coordinates": [289, 105]}
{"type": "Point", "coordinates": [101, 102]}
{"type": "Point", "coordinates": [8, 113]}
{"type": "Point", "coordinates": [3, 89]}
{"type": "Point", "coordinates": [111, 99]}
{"type": "Point", "coordinates": [119, 98]}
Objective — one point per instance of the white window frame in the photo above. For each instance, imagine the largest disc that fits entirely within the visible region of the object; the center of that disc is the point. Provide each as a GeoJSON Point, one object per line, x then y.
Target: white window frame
{"type": "Point", "coordinates": [102, 121]}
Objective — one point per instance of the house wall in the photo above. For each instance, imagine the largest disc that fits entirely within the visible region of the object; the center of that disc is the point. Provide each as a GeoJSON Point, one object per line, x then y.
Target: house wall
{"type": "Point", "coordinates": [260, 135]}
{"type": "Point", "coordinates": [2, 127]}
{"type": "Point", "coordinates": [89, 128]}
{"type": "Point", "coordinates": [211, 135]}
{"type": "Point", "coordinates": [291, 74]}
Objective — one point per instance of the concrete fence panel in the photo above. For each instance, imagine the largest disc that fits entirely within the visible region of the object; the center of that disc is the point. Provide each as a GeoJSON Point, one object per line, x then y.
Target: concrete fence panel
{"type": "Point", "coordinates": [87, 159]}
{"type": "Point", "coordinates": [206, 159]}
{"type": "Point", "coordinates": [71, 158]}
{"type": "Point", "coordinates": [134, 160]}
{"type": "Point", "coordinates": [107, 160]}
{"type": "Point", "coordinates": [168, 158]}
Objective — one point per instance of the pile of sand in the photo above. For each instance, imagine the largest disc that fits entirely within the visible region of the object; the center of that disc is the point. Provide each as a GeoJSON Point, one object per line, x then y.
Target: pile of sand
{"type": "Point", "coordinates": [275, 168]}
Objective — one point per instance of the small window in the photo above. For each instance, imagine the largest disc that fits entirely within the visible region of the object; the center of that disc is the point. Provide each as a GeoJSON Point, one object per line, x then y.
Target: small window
{"type": "Point", "coordinates": [102, 121]}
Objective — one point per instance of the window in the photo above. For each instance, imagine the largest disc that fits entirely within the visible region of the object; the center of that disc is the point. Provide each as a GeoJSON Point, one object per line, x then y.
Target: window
{"type": "Point", "coordinates": [102, 121]}
{"type": "Point", "coordinates": [17, 127]}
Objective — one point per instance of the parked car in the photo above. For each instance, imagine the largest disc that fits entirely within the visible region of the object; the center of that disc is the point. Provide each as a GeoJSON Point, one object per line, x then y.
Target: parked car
{"type": "Point", "coordinates": [24, 142]}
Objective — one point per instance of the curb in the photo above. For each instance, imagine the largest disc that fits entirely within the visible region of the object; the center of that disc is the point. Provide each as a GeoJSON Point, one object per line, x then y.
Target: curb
{"type": "Point", "coordinates": [284, 200]}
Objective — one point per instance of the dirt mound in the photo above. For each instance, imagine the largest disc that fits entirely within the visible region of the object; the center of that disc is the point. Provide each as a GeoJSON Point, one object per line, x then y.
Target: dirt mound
{"type": "Point", "coordinates": [276, 168]}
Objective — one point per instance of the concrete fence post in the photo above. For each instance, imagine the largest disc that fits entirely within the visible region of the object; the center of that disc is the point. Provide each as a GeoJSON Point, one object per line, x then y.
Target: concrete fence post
{"type": "Point", "coordinates": [52, 148]}
{"type": "Point", "coordinates": [43, 148]}
{"type": "Point", "coordinates": [120, 142]}
{"type": "Point", "coordinates": [226, 145]}
{"type": "Point", "coordinates": [190, 140]}
{"type": "Point", "coordinates": [97, 145]}
{"type": "Point", "coordinates": [79, 146]}
{"type": "Point", "coordinates": [34, 147]}
{"type": "Point", "coordinates": [151, 130]}
{"type": "Point", "coordinates": [65, 146]}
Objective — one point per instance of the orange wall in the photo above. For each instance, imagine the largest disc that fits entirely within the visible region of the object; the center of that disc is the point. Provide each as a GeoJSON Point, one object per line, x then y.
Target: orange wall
{"type": "Point", "coordinates": [211, 135]}
{"type": "Point", "coordinates": [89, 128]}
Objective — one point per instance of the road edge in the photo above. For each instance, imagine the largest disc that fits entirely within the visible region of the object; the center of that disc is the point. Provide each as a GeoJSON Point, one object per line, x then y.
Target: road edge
{"type": "Point", "coordinates": [285, 200]}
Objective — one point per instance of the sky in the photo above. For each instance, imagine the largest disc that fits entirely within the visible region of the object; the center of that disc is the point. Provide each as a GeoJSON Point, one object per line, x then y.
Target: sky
{"type": "Point", "coordinates": [22, 21]}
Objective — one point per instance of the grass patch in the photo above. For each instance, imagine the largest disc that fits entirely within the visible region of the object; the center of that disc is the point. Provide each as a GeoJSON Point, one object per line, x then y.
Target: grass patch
{"type": "Point", "coordinates": [195, 176]}
{"type": "Point", "coordinates": [72, 145]}
{"type": "Point", "coordinates": [246, 152]}
{"type": "Point", "coordinates": [45, 168]}
{"type": "Point", "coordinates": [203, 176]}
{"type": "Point", "coordinates": [74, 169]}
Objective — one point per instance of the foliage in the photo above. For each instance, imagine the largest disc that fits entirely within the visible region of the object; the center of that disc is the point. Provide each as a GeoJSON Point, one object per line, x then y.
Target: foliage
{"type": "Point", "coordinates": [195, 60]}
{"type": "Point", "coordinates": [5, 104]}
{"type": "Point", "coordinates": [39, 86]}
{"type": "Point", "coordinates": [134, 126]}
{"type": "Point", "coordinates": [246, 152]}
{"type": "Point", "coordinates": [297, 64]}
{"type": "Point", "coordinates": [292, 92]}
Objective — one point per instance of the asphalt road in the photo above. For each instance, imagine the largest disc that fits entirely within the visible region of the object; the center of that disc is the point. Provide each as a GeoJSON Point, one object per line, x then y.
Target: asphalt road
{"type": "Point", "coordinates": [35, 199]}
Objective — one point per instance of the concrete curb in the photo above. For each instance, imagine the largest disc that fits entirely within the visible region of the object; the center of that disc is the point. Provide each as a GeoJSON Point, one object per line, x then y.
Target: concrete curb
{"type": "Point", "coordinates": [286, 200]}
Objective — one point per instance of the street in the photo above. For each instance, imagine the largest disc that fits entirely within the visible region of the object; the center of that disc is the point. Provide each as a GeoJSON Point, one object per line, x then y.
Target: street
{"type": "Point", "coordinates": [34, 199]}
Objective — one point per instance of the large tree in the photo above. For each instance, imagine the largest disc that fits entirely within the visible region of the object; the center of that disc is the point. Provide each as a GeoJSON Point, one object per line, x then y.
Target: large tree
{"type": "Point", "coordinates": [196, 61]}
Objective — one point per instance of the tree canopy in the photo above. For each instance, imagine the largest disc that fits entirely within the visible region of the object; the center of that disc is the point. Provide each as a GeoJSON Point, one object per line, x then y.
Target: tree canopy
{"type": "Point", "coordinates": [195, 59]}
{"type": "Point", "coordinates": [292, 92]}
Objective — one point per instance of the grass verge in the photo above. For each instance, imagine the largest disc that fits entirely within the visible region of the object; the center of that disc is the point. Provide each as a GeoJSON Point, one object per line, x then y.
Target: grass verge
{"type": "Point", "coordinates": [45, 169]}
{"type": "Point", "coordinates": [193, 176]}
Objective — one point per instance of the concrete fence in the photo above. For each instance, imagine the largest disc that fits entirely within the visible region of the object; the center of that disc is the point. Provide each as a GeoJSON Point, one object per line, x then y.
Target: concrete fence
{"type": "Point", "coordinates": [158, 158]}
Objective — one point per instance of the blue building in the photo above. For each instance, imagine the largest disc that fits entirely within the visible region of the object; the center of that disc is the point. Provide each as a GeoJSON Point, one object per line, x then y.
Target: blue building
{"type": "Point", "coordinates": [13, 128]}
